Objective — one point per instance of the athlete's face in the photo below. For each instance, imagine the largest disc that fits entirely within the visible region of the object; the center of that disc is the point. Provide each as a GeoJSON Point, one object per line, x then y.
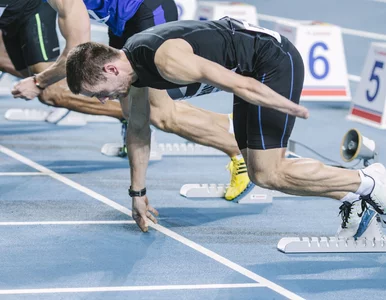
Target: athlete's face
{"type": "Point", "coordinates": [114, 87]}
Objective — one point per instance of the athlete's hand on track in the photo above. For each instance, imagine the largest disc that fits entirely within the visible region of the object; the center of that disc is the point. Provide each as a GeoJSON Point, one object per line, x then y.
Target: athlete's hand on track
{"type": "Point", "coordinates": [26, 89]}
{"type": "Point", "coordinates": [142, 211]}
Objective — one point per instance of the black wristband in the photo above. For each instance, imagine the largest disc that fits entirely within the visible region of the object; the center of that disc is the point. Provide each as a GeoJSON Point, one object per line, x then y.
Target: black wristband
{"type": "Point", "coordinates": [37, 83]}
{"type": "Point", "coordinates": [137, 193]}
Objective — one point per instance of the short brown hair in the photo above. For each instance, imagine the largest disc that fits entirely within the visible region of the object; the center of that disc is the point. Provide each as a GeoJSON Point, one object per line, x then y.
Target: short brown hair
{"type": "Point", "coordinates": [85, 64]}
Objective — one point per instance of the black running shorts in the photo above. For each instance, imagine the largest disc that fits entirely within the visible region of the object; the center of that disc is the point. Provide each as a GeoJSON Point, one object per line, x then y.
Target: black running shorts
{"type": "Point", "coordinates": [33, 39]}
{"type": "Point", "coordinates": [264, 128]}
{"type": "Point", "coordinates": [149, 14]}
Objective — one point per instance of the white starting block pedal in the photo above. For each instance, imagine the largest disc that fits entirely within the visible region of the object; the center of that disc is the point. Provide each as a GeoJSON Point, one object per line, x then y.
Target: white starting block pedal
{"type": "Point", "coordinates": [252, 194]}
{"type": "Point", "coordinates": [187, 149]}
{"type": "Point", "coordinates": [58, 116]}
{"type": "Point", "coordinates": [17, 114]}
{"type": "Point", "coordinates": [372, 240]}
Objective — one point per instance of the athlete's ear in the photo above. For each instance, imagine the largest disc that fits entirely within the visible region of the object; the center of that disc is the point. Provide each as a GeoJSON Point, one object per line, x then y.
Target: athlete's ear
{"type": "Point", "coordinates": [110, 69]}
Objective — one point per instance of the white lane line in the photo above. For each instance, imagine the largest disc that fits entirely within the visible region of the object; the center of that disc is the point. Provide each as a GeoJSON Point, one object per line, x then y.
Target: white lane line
{"type": "Point", "coordinates": [130, 288]}
{"type": "Point", "coordinates": [67, 223]}
{"type": "Point", "coordinates": [273, 286]}
{"type": "Point", "coordinates": [22, 174]}
{"type": "Point", "coordinates": [360, 33]}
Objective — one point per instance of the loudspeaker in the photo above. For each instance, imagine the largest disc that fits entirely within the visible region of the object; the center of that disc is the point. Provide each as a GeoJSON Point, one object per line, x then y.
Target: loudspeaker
{"type": "Point", "coordinates": [355, 145]}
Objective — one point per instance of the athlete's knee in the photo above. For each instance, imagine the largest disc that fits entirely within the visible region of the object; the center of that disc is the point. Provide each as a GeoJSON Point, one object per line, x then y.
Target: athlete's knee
{"type": "Point", "coordinates": [264, 178]}
{"type": "Point", "coordinates": [270, 176]}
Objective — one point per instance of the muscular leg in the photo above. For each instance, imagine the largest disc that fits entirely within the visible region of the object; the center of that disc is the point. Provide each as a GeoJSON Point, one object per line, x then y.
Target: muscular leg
{"type": "Point", "coordinates": [195, 124]}
{"type": "Point", "coordinates": [300, 176]}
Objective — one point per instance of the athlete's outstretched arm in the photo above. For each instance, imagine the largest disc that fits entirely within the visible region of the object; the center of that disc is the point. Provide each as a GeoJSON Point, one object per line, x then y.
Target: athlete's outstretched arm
{"type": "Point", "coordinates": [136, 108]}
{"type": "Point", "coordinates": [74, 24]}
{"type": "Point", "coordinates": [177, 63]}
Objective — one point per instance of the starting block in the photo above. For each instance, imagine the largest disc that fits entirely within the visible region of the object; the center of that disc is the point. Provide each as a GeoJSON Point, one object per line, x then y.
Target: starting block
{"type": "Point", "coordinates": [17, 114]}
{"type": "Point", "coordinates": [58, 116]}
{"type": "Point", "coordinates": [158, 150]}
{"type": "Point", "coordinates": [253, 193]}
{"type": "Point", "coordinates": [369, 104]}
{"type": "Point", "coordinates": [113, 149]}
{"type": "Point", "coordinates": [187, 149]}
{"type": "Point", "coordinates": [372, 240]}
{"type": "Point", "coordinates": [321, 47]}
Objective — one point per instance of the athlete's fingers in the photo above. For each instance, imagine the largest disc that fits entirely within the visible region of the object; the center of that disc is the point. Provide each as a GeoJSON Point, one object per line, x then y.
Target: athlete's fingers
{"type": "Point", "coordinates": [153, 210]}
{"type": "Point", "coordinates": [296, 110]}
{"type": "Point", "coordinates": [300, 111]}
{"type": "Point", "coordinates": [140, 219]}
{"type": "Point", "coordinates": [143, 223]}
{"type": "Point", "coordinates": [151, 217]}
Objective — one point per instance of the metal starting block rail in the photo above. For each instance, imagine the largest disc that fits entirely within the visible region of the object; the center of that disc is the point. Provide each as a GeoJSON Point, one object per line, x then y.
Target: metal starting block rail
{"type": "Point", "coordinates": [372, 240]}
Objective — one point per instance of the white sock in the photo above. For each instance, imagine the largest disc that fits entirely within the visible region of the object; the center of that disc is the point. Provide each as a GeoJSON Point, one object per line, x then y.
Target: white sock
{"type": "Point", "coordinates": [231, 129]}
{"type": "Point", "coordinates": [239, 156]}
{"type": "Point", "coordinates": [366, 186]}
{"type": "Point", "coordinates": [350, 197]}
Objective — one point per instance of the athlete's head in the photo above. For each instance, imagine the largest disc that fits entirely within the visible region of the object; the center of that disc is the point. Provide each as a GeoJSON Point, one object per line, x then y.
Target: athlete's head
{"type": "Point", "coordinates": [98, 70]}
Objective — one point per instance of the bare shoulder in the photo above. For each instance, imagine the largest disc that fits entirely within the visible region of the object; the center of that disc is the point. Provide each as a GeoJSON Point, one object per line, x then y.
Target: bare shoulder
{"type": "Point", "coordinates": [169, 47]}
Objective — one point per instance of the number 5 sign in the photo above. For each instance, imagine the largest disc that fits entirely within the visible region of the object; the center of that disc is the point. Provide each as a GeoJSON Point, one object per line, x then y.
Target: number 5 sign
{"type": "Point", "coordinates": [369, 103]}
{"type": "Point", "coordinates": [321, 48]}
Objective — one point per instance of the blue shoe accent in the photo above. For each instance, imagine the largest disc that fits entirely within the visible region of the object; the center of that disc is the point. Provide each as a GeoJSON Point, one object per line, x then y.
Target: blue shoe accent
{"type": "Point", "coordinates": [249, 188]}
{"type": "Point", "coordinates": [365, 222]}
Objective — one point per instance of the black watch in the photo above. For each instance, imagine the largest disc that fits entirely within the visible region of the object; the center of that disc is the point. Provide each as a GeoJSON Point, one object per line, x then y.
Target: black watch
{"type": "Point", "coordinates": [140, 193]}
{"type": "Point", "coordinates": [37, 83]}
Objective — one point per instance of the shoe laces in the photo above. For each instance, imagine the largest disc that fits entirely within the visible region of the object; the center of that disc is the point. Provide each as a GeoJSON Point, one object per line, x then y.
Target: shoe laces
{"type": "Point", "coordinates": [367, 199]}
{"type": "Point", "coordinates": [346, 210]}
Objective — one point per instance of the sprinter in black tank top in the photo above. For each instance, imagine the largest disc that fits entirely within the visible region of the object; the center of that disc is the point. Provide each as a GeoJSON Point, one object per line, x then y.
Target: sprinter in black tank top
{"type": "Point", "coordinates": [262, 69]}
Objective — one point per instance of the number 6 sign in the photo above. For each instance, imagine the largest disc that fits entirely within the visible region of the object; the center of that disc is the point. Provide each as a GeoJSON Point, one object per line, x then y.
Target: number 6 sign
{"type": "Point", "coordinates": [321, 48]}
{"type": "Point", "coordinates": [368, 105]}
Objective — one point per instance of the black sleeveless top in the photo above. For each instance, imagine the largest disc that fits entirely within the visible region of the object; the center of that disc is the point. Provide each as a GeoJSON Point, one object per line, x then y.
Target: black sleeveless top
{"type": "Point", "coordinates": [12, 10]}
{"type": "Point", "coordinates": [231, 43]}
